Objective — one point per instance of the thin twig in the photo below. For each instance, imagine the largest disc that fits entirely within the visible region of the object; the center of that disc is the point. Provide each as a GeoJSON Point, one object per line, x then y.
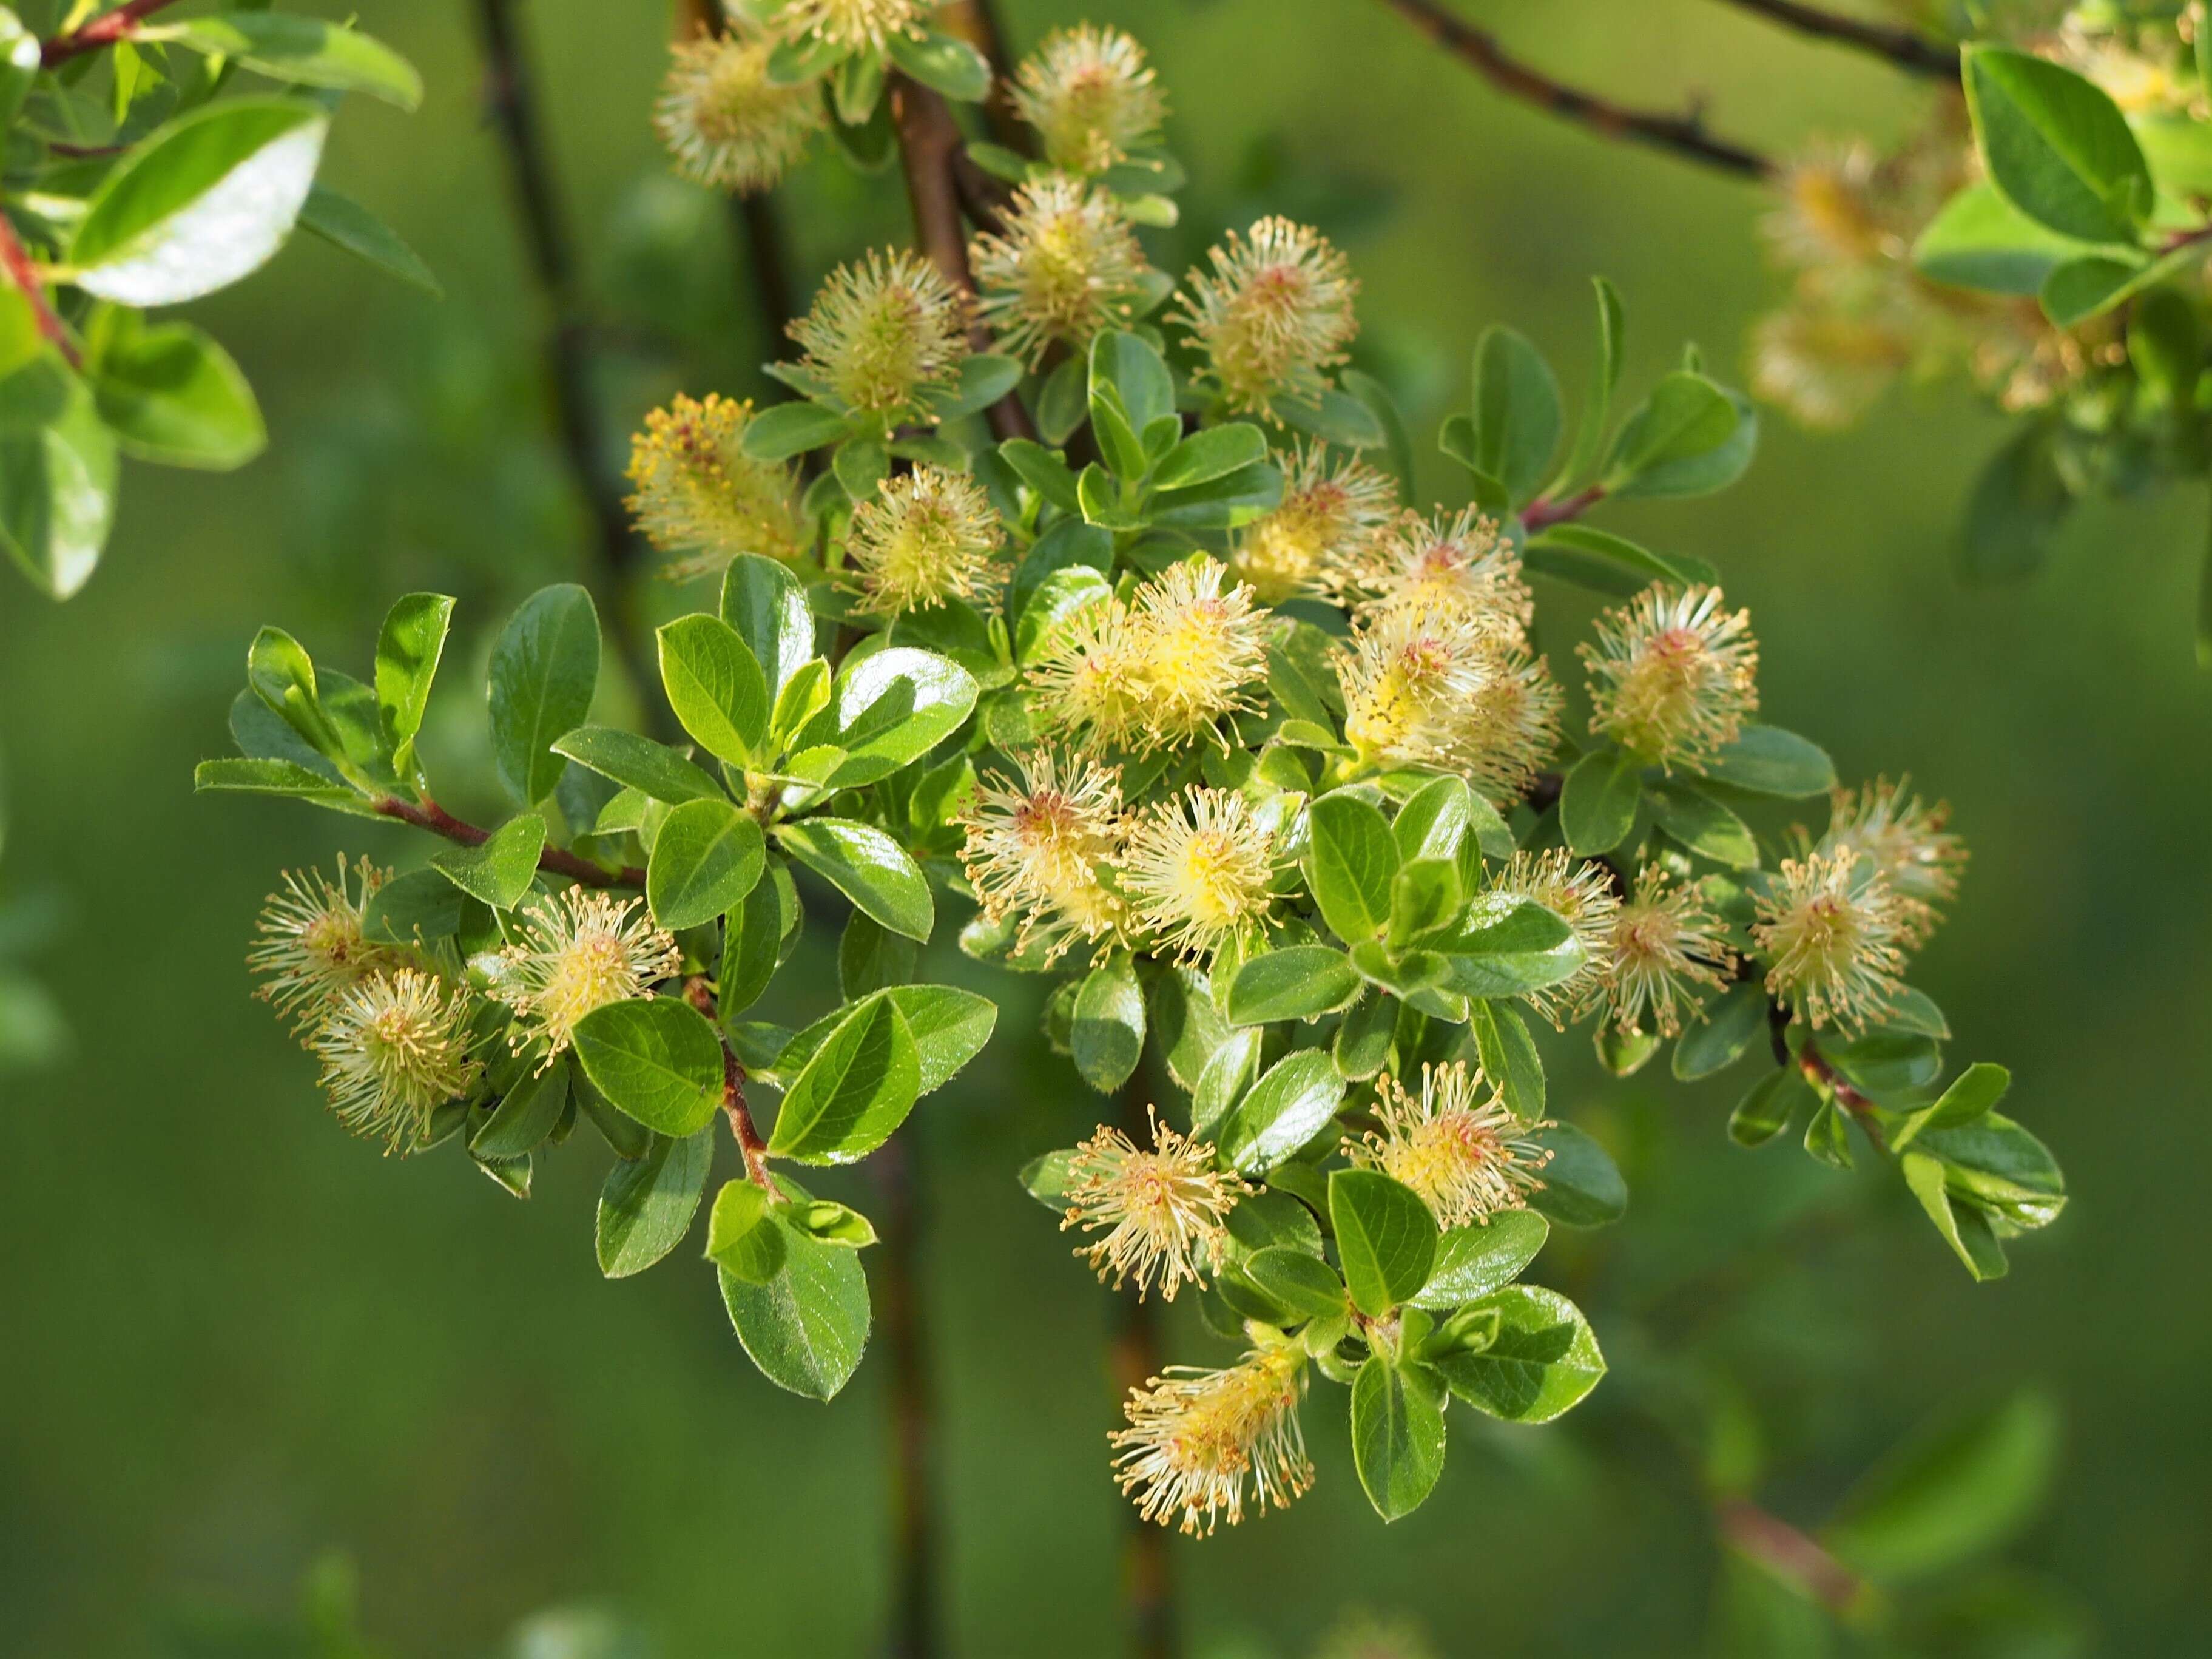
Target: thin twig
{"type": "Point", "coordinates": [16, 264]}
{"type": "Point", "coordinates": [1147, 1573]}
{"type": "Point", "coordinates": [514, 109]}
{"type": "Point", "coordinates": [1913, 53]}
{"type": "Point", "coordinates": [1791, 1555]}
{"type": "Point", "coordinates": [1680, 134]}
{"type": "Point", "coordinates": [554, 861]}
{"type": "Point", "coordinates": [1817, 1069]}
{"type": "Point", "coordinates": [103, 30]}
{"type": "Point", "coordinates": [929, 147]}
{"type": "Point", "coordinates": [700, 994]}
{"type": "Point", "coordinates": [1542, 515]}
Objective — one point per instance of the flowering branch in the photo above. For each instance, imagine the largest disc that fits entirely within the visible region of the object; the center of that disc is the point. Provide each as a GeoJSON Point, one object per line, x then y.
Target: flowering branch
{"type": "Point", "coordinates": [930, 152]}
{"type": "Point", "coordinates": [1911, 52]}
{"type": "Point", "coordinates": [554, 861]}
{"type": "Point", "coordinates": [1148, 1596]}
{"type": "Point", "coordinates": [15, 262]}
{"type": "Point", "coordinates": [1680, 134]}
{"type": "Point", "coordinates": [103, 31]}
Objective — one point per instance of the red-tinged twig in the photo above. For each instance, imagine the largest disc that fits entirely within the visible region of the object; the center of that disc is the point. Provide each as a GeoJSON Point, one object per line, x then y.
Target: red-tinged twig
{"type": "Point", "coordinates": [1790, 1555]}
{"type": "Point", "coordinates": [554, 861]}
{"type": "Point", "coordinates": [701, 995]}
{"type": "Point", "coordinates": [16, 264]}
{"type": "Point", "coordinates": [1913, 53]}
{"type": "Point", "coordinates": [1679, 134]}
{"type": "Point", "coordinates": [103, 30]}
{"type": "Point", "coordinates": [1542, 515]}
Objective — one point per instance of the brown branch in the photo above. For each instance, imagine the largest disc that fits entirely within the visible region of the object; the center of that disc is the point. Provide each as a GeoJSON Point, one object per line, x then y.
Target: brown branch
{"type": "Point", "coordinates": [554, 861]}
{"type": "Point", "coordinates": [1680, 134]}
{"type": "Point", "coordinates": [1913, 53]}
{"type": "Point", "coordinates": [103, 31]}
{"type": "Point", "coordinates": [976, 21]}
{"type": "Point", "coordinates": [16, 264]}
{"type": "Point", "coordinates": [929, 143]}
{"type": "Point", "coordinates": [1790, 1555]}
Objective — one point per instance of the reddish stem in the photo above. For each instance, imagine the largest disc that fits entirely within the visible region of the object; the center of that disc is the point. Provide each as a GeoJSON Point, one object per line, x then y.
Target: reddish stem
{"type": "Point", "coordinates": [554, 861]}
{"type": "Point", "coordinates": [16, 261]}
{"type": "Point", "coordinates": [1542, 515]}
{"type": "Point", "coordinates": [103, 30]}
{"type": "Point", "coordinates": [1790, 1555]}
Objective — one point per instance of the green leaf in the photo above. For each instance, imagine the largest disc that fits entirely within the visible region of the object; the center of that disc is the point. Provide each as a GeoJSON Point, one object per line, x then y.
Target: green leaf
{"type": "Point", "coordinates": [1827, 1137]}
{"type": "Point", "coordinates": [418, 907]}
{"type": "Point", "coordinates": [1995, 1164]}
{"type": "Point", "coordinates": [753, 939]}
{"type": "Point", "coordinates": [523, 1119]}
{"type": "Point", "coordinates": [949, 1026]}
{"type": "Point", "coordinates": [57, 493]}
{"type": "Point", "coordinates": [1334, 417]}
{"type": "Point", "coordinates": [1351, 860]}
{"type": "Point", "coordinates": [868, 867]}
{"type": "Point", "coordinates": [1223, 1083]}
{"type": "Point", "coordinates": [891, 708]}
{"type": "Point", "coordinates": [1508, 1057]}
{"type": "Point", "coordinates": [1295, 983]}
{"type": "Point", "coordinates": [806, 1326]}
{"type": "Point", "coordinates": [870, 957]}
{"type": "Point", "coordinates": [1974, 1091]}
{"type": "Point", "coordinates": [1605, 380]}
{"type": "Point", "coordinates": [1235, 498]}
{"type": "Point", "coordinates": [857, 1088]}
{"type": "Point", "coordinates": [982, 379]}
{"type": "Point", "coordinates": [951, 66]}
{"type": "Point", "coordinates": [409, 648]}
{"type": "Point", "coordinates": [1385, 1237]}
{"type": "Point", "coordinates": [1597, 805]}
{"type": "Point", "coordinates": [742, 1237]}
{"type": "Point", "coordinates": [1542, 1362]}
{"type": "Point", "coordinates": [1961, 1488]}
{"type": "Point", "coordinates": [1768, 761]}
{"type": "Point", "coordinates": [1733, 1021]}
{"type": "Point", "coordinates": [706, 858]}
{"type": "Point", "coordinates": [832, 1224]}
{"type": "Point", "coordinates": [345, 223]}
{"type": "Point", "coordinates": [1980, 240]}
{"type": "Point", "coordinates": [499, 872]}
{"type": "Point", "coordinates": [1362, 1045]}
{"type": "Point", "coordinates": [1767, 1107]}
{"type": "Point", "coordinates": [544, 670]}
{"type": "Point", "coordinates": [2056, 145]}
{"type": "Point", "coordinates": [646, 1207]}
{"type": "Point", "coordinates": [2013, 515]}
{"type": "Point", "coordinates": [1109, 1035]}
{"type": "Point", "coordinates": [207, 200]}
{"type": "Point", "coordinates": [1583, 1186]}
{"type": "Point", "coordinates": [652, 769]}
{"type": "Point", "coordinates": [1687, 426]}
{"type": "Point", "coordinates": [782, 430]}
{"type": "Point", "coordinates": [767, 606]}
{"type": "Point", "coordinates": [1397, 1435]}
{"type": "Point", "coordinates": [655, 1059]}
{"type": "Point", "coordinates": [1605, 563]}
{"type": "Point", "coordinates": [1186, 1024]}
{"type": "Point", "coordinates": [1128, 367]}
{"type": "Point", "coordinates": [1295, 1280]}
{"type": "Point", "coordinates": [1964, 1227]}
{"type": "Point", "coordinates": [1375, 398]}
{"type": "Point", "coordinates": [1425, 898]}
{"type": "Point", "coordinates": [1474, 1262]}
{"type": "Point", "coordinates": [1703, 825]}
{"type": "Point", "coordinates": [715, 688]}
{"type": "Point", "coordinates": [171, 395]}
{"type": "Point", "coordinates": [1214, 452]}
{"type": "Point", "coordinates": [305, 50]}
{"type": "Point", "coordinates": [1517, 416]}
{"type": "Point", "coordinates": [1285, 1109]}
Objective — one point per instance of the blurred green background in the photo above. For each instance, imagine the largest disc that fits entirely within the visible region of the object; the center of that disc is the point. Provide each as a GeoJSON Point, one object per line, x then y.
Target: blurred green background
{"type": "Point", "coordinates": [230, 1338]}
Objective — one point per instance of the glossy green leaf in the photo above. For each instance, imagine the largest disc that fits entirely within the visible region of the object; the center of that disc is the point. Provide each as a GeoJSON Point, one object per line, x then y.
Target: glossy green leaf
{"type": "Point", "coordinates": [782, 430]}
{"type": "Point", "coordinates": [409, 648]}
{"type": "Point", "coordinates": [1397, 1434]}
{"type": "Point", "coordinates": [1508, 1057]}
{"type": "Point", "coordinates": [171, 394]}
{"type": "Point", "coordinates": [1769, 1105]}
{"type": "Point", "coordinates": [1597, 805]}
{"type": "Point", "coordinates": [1109, 1035]}
{"type": "Point", "coordinates": [1361, 1047]}
{"type": "Point", "coordinates": [1733, 1021]}
{"type": "Point", "coordinates": [949, 1026]}
{"type": "Point", "coordinates": [767, 606]}
{"type": "Point", "coordinates": [1474, 1262]}
{"type": "Point", "coordinates": [1686, 419]}
{"type": "Point", "coordinates": [939, 60]}
{"type": "Point", "coordinates": [1542, 1362]}
{"type": "Point", "coordinates": [715, 688]}
{"type": "Point", "coordinates": [1296, 1280]}
{"type": "Point", "coordinates": [891, 708]}
{"type": "Point", "coordinates": [1223, 1081]}
{"type": "Point", "coordinates": [646, 1207]}
{"type": "Point", "coordinates": [855, 1089]}
{"type": "Point", "coordinates": [652, 769]}
{"type": "Point", "coordinates": [2056, 145]}
{"type": "Point", "coordinates": [1605, 563]}
{"type": "Point", "coordinates": [345, 223]}
{"type": "Point", "coordinates": [57, 485]}
{"type": "Point", "coordinates": [1291, 1104]}
{"type": "Point", "coordinates": [706, 858]}
{"type": "Point", "coordinates": [521, 1121]}
{"type": "Point", "coordinates": [1972, 1093]}
{"type": "Point", "coordinates": [806, 1326]}
{"type": "Point", "coordinates": [1768, 761]}
{"type": "Point", "coordinates": [1703, 825]}
{"type": "Point", "coordinates": [868, 866]}
{"type": "Point", "coordinates": [1582, 1186]}
{"type": "Point", "coordinates": [1963, 1226]}
{"type": "Point", "coordinates": [655, 1059]}
{"type": "Point", "coordinates": [205, 201]}
{"type": "Point", "coordinates": [1212, 453]}
{"type": "Point", "coordinates": [1385, 1237]}
{"type": "Point", "coordinates": [544, 670]}
{"type": "Point", "coordinates": [753, 939]}
{"type": "Point", "coordinates": [499, 872]}
{"type": "Point", "coordinates": [1351, 860]}
{"type": "Point", "coordinates": [1297, 982]}
{"type": "Point", "coordinates": [305, 51]}
{"type": "Point", "coordinates": [1516, 414]}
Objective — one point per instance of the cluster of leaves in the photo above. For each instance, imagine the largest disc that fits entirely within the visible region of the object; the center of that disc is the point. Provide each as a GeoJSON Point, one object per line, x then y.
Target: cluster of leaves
{"type": "Point", "coordinates": [130, 185]}
{"type": "Point", "coordinates": [1309, 837]}
{"type": "Point", "coordinates": [2058, 259]}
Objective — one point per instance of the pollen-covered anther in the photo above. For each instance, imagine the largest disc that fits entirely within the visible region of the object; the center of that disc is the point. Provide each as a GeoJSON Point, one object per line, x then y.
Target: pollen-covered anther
{"type": "Point", "coordinates": [924, 538]}
{"type": "Point", "coordinates": [1197, 1439]}
{"type": "Point", "coordinates": [1907, 843]}
{"type": "Point", "coordinates": [1164, 1211]}
{"type": "Point", "coordinates": [1458, 562]}
{"type": "Point", "coordinates": [699, 493]}
{"type": "Point", "coordinates": [1037, 845]}
{"type": "Point", "coordinates": [725, 121]}
{"type": "Point", "coordinates": [1203, 645]}
{"type": "Point", "coordinates": [1065, 265]}
{"type": "Point", "coordinates": [1439, 692]}
{"type": "Point", "coordinates": [1468, 1157]}
{"type": "Point", "coordinates": [1326, 524]}
{"type": "Point", "coordinates": [1581, 893]}
{"type": "Point", "coordinates": [884, 332]}
{"type": "Point", "coordinates": [1090, 96]}
{"type": "Point", "coordinates": [394, 1047]}
{"type": "Point", "coordinates": [1832, 932]}
{"type": "Point", "coordinates": [308, 944]}
{"type": "Point", "coordinates": [855, 23]}
{"type": "Point", "coordinates": [1271, 313]}
{"type": "Point", "coordinates": [576, 951]}
{"type": "Point", "coordinates": [1197, 868]}
{"type": "Point", "coordinates": [1666, 941]}
{"type": "Point", "coordinates": [1673, 675]}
